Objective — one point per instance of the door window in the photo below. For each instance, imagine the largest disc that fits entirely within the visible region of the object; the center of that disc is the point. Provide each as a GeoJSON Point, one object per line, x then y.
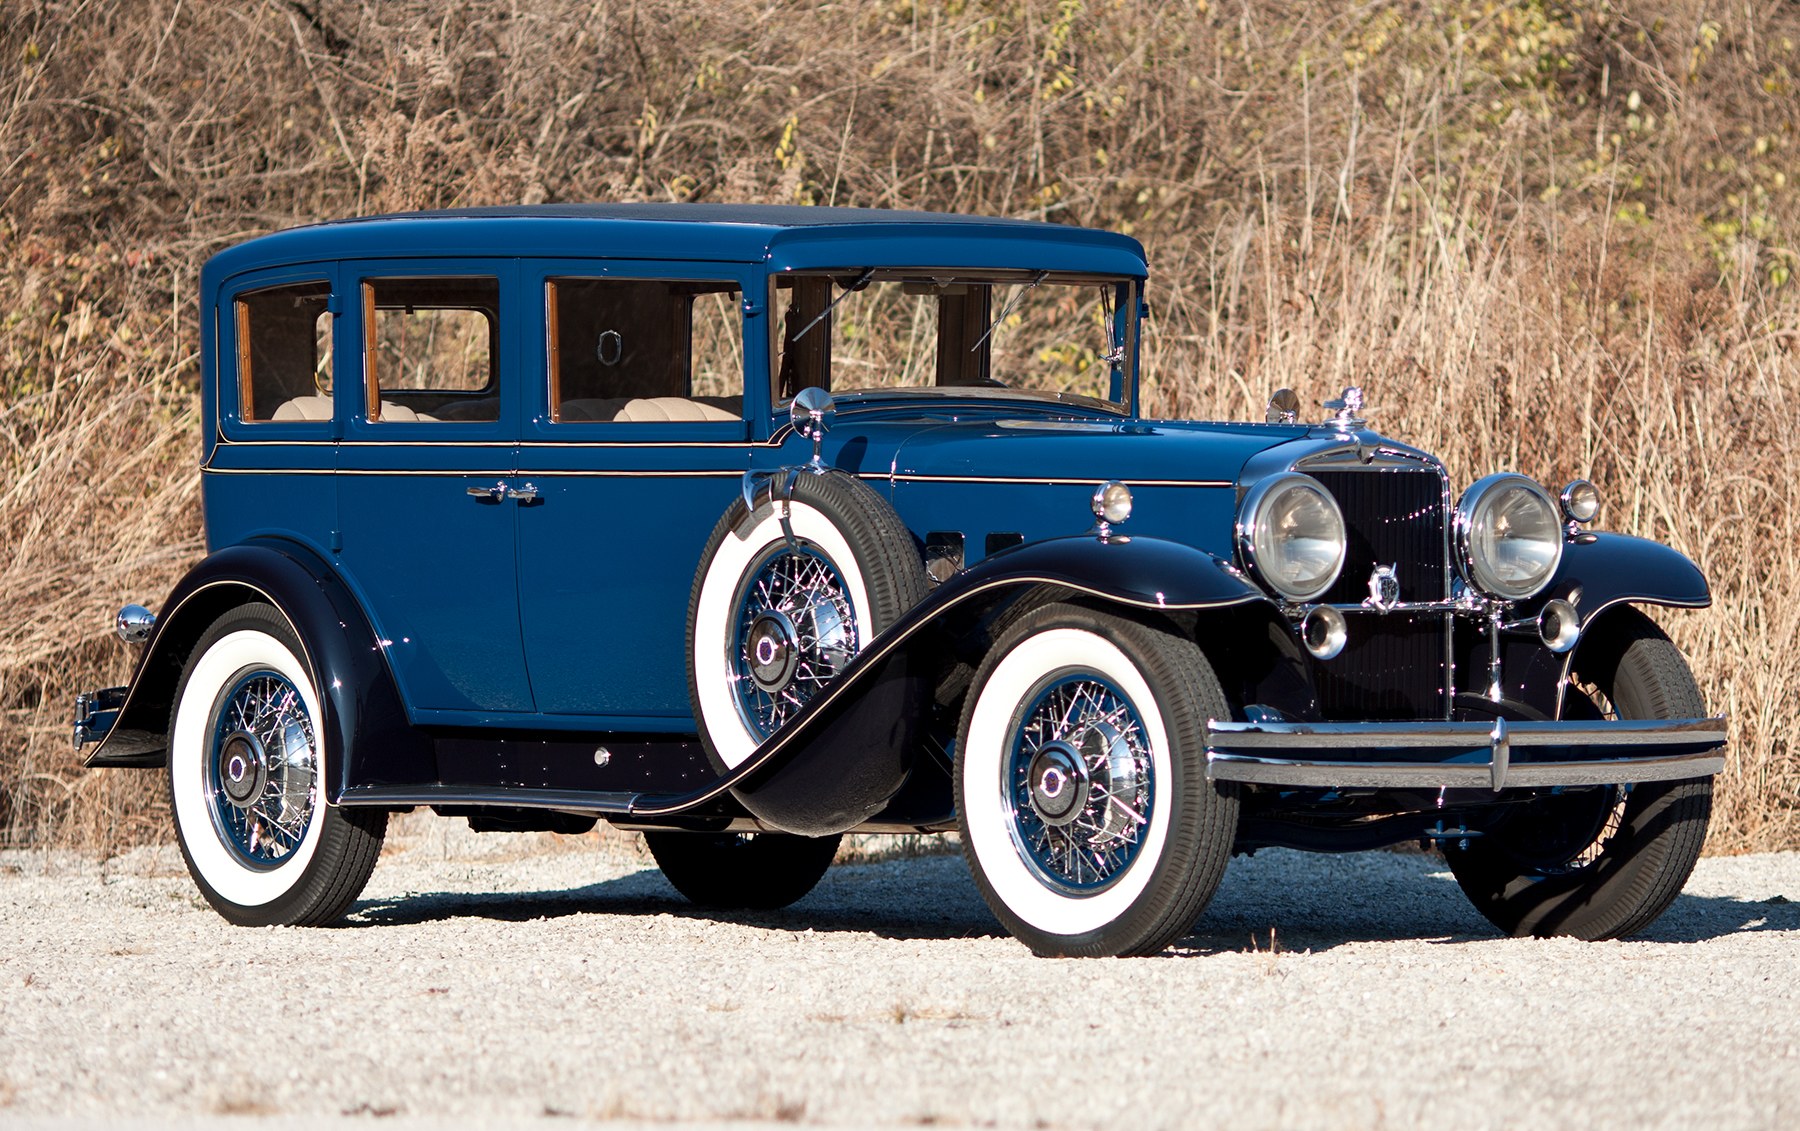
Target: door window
{"type": "Point", "coordinates": [431, 349]}
{"type": "Point", "coordinates": [643, 350]}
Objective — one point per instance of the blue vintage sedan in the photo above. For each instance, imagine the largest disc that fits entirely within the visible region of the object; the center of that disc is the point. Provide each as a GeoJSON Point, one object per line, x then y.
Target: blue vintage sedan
{"type": "Point", "coordinates": [747, 527]}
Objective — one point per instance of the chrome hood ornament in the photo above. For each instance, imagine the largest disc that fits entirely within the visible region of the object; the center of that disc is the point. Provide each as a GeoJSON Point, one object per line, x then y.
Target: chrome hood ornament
{"type": "Point", "coordinates": [1347, 410]}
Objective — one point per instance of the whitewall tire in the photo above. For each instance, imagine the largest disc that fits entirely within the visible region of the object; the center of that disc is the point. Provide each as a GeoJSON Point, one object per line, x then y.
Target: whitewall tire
{"type": "Point", "coordinates": [771, 622]}
{"type": "Point", "coordinates": [1082, 797]}
{"type": "Point", "coordinates": [247, 780]}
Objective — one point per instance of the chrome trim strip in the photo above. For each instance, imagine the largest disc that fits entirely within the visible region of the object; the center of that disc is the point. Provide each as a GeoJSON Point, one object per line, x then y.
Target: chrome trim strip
{"type": "Point", "coordinates": [1457, 775]}
{"type": "Point", "coordinates": [1054, 481]}
{"type": "Point", "coordinates": [571, 800]}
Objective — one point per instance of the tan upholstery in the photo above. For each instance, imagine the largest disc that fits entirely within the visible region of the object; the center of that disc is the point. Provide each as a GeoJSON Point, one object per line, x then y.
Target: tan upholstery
{"type": "Point", "coordinates": [647, 409]}
{"type": "Point", "coordinates": [304, 408]}
{"type": "Point", "coordinates": [319, 408]}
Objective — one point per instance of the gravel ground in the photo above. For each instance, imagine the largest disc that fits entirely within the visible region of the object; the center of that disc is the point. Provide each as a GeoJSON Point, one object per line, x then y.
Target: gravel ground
{"type": "Point", "coordinates": [509, 979]}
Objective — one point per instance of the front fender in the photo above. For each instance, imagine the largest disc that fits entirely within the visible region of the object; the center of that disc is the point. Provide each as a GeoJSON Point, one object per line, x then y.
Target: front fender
{"type": "Point", "coordinates": [1615, 568]}
{"type": "Point", "coordinates": [1597, 575]}
{"type": "Point", "coordinates": [844, 757]}
{"type": "Point", "coordinates": [363, 712]}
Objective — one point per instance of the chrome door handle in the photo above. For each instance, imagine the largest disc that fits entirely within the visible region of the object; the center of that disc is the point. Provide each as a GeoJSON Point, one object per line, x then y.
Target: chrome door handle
{"type": "Point", "coordinates": [489, 494]}
{"type": "Point", "coordinates": [525, 493]}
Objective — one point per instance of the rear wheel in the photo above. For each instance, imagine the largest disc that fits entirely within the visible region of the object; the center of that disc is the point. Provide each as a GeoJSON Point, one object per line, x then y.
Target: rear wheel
{"type": "Point", "coordinates": [1081, 788]}
{"type": "Point", "coordinates": [756, 871]}
{"type": "Point", "coordinates": [247, 781]}
{"type": "Point", "coordinates": [1598, 863]}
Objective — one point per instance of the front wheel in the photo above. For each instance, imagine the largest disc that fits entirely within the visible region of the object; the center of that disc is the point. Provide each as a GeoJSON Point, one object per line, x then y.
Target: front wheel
{"type": "Point", "coordinates": [1081, 788]}
{"type": "Point", "coordinates": [247, 781]}
{"type": "Point", "coordinates": [1598, 863]}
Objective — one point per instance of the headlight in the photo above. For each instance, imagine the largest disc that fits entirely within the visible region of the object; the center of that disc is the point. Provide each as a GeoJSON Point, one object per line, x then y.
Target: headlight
{"type": "Point", "coordinates": [1291, 535]}
{"type": "Point", "coordinates": [1508, 537]}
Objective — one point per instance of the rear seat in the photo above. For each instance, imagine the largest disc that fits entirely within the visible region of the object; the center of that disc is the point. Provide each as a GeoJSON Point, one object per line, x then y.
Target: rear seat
{"type": "Point", "coordinates": [319, 408]}
{"type": "Point", "coordinates": [645, 410]}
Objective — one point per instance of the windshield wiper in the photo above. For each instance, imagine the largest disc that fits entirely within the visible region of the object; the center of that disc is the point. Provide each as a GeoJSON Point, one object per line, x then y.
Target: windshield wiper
{"type": "Point", "coordinates": [1007, 309]}
{"type": "Point", "coordinates": [862, 281]}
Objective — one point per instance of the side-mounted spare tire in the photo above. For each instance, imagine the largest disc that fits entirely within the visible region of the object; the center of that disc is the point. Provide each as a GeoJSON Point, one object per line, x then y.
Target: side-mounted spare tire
{"type": "Point", "coordinates": [778, 613]}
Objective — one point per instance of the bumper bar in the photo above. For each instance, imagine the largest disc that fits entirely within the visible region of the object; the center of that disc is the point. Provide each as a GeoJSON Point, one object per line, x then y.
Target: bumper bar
{"type": "Point", "coordinates": [1464, 755]}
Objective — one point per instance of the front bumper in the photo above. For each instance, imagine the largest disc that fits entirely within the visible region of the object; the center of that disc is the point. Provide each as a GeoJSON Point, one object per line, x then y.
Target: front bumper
{"type": "Point", "coordinates": [1463, 755]}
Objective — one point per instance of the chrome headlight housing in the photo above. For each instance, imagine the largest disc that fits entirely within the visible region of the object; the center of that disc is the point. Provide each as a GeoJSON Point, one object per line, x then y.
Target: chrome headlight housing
{"type": "Point", "coordinates": [1509, 537]}
{"type": "Point", "coordinates": [1291, 535]}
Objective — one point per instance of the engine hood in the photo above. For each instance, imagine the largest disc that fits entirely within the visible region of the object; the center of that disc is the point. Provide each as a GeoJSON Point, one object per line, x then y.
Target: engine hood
{"type": "Point", "coordinates": [1051, 451]}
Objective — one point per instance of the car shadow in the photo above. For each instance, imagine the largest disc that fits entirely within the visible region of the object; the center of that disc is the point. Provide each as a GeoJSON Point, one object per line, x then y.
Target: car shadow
{"type": "Point", "coordinates": [1306, 901]}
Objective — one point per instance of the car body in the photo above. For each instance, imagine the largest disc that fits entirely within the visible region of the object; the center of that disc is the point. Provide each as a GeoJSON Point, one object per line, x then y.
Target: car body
{"type": "Point", "coordinates": [749, 526]}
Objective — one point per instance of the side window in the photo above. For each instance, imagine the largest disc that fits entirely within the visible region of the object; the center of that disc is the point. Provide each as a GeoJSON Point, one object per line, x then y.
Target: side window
{"type": "Point", "coordinates": [644, 350]}
{"type": "Point", "coordinates": [431, 349]}
{"type": "Point", "coordinates": [284, 353]}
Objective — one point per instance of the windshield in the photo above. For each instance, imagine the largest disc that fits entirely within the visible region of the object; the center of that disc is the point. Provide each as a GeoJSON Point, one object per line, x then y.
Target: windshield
{"type": "Point", "coordinates": [871, 330]}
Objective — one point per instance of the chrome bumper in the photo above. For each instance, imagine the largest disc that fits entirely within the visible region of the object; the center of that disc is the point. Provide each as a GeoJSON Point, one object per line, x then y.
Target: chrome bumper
{"type": "Point", "coordinates": [1474, 755]}
{"type": "Point", "coordinates": [95, 713]}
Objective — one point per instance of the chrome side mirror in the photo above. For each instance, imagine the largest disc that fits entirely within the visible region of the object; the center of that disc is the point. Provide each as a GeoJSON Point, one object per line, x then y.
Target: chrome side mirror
{"type": "Point", "coordinates": [1284, 407]}
{"type": "Point", "coordinates": [812, 414]}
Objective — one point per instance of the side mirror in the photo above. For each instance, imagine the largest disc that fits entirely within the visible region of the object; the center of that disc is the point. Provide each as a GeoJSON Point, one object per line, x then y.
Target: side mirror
{"type": "Point", "coordinates": [1284, 407]}
{"type": "Point", "coordinates": [812, 414]}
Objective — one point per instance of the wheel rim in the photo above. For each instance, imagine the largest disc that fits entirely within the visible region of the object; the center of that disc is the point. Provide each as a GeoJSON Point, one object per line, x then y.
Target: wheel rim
{"type": "Point", "coordinates": [261, 770]}
{"type": "Point", "coordinates": [796, 630]}
{"type": "Point", "coordinates": [1079, 783]}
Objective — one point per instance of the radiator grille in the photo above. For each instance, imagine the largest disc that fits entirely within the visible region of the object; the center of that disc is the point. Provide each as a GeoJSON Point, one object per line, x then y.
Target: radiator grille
{"type": "Point", "coordinates": [1392, 517]}
{"type": "Point", "coordinates": [1392, 668]}
{"type": "Point", "coordinates": [1394, 664]}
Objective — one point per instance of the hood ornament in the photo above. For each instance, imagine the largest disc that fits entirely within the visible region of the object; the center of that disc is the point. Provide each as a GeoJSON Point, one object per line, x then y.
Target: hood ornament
{"type": "Point", "coordinates": [1347, 410]}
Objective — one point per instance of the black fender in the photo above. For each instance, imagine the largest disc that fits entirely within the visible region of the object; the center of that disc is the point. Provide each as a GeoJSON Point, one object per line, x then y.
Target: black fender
{"type": "Point", "coordinates": [363, 712]}
{"type": "Point", "coordinates": [843, 758]}
{"type": "Point", "coordinates": [1598, 572]}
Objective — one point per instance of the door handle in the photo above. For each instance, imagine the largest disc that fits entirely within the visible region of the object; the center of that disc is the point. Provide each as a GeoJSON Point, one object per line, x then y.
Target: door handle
{"type": "Point", "coordinates": [489, 494]}
{"type": "Point", "coordinates": [524, 493]}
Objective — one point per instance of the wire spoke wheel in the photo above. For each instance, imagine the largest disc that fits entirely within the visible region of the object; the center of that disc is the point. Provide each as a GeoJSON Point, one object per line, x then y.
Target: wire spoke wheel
{"type": "Point", "coordinates": [1081, 783]}
{"type": "Point", "coordinates": [1081, 791]}
{"type": "Point", "coordinates": [262, 775]}
{"type": "Point", "coordinates": [796, 631]}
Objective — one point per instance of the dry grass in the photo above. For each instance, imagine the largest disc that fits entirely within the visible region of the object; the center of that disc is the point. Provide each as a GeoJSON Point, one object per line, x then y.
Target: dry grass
{"type": "Point", "coordinates": [1547, 237]}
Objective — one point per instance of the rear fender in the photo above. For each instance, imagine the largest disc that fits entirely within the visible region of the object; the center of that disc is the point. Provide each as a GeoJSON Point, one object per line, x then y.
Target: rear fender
{"type": "Point", "coordinates": [847, 754]}
{"type": "Point", "coordinates": [362, 709]}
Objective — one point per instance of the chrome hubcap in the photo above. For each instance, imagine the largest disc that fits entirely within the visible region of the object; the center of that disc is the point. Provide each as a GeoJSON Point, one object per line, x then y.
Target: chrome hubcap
{"type": "Point", "coordinates": [243, 769]}
{"type": "Point", "coordinates": [1059, 783]}
{"type": "Point", "coordinates": [771, 652]}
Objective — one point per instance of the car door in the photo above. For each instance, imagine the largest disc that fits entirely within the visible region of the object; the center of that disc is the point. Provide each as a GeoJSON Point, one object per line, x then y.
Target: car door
{"type": "Point", "coordinates": [635, 441]}
{"type": "Point", "coordinates": [428, 510]}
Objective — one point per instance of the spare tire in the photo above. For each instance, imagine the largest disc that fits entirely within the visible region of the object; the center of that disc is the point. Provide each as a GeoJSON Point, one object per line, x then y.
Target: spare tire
{"type": "Point", "coordinates": [772, 622]}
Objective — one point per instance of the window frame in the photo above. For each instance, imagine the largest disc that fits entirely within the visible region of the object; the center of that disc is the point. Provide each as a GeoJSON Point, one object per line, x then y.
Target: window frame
{"type": "Point", "coordinates": [540, 426]}
{"type": "Point", "coordinates": [229, 377]}
{"type": "Point", "coordinates": [354, 389]}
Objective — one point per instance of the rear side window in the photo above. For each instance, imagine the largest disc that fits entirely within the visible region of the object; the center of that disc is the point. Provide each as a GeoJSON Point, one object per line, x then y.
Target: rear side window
{"type": "Point", "coordinates": [284, 353]}
{"type": "Point", "coordinates": [644, 350]}
{"type": "Point", "coordinates": [431, 349]}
